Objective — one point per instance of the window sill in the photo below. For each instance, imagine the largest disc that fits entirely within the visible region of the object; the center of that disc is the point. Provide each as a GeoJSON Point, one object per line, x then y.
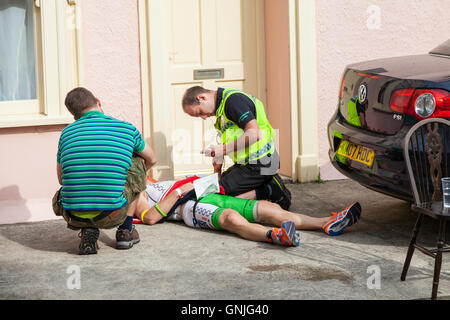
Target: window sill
{"type": "Point", "coordinates": [33, 120]}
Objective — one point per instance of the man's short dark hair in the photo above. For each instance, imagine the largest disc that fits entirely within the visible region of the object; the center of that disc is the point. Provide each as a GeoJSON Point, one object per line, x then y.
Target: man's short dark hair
{"type": "Point", "coordinates": [78, 100]}
{"type": "Point", "coordinates": [190, 96]}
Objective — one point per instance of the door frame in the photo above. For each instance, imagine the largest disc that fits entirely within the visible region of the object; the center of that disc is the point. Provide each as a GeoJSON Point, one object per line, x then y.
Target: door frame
{"type": "Point", "coordinates": [299, 48]}
{"type": "Point", "coordinates": [153, 47]}
{"type": "Point", "coordinates": [155, 80]}
{"type": "Point", "coordinates": [303, 86]}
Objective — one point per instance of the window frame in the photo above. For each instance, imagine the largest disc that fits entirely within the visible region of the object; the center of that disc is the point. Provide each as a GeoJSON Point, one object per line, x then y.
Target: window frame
{"type": "Point", "coordinates": [58, 66]}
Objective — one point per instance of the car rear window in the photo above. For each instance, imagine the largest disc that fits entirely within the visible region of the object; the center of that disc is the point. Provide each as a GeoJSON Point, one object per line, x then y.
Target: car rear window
{"type": "Point", "coordinates": [443, 48]}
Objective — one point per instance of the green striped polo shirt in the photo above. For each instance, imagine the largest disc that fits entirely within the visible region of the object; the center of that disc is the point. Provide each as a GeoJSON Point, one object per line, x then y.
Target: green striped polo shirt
{"type": "Point", "coordinates": [95, 153]}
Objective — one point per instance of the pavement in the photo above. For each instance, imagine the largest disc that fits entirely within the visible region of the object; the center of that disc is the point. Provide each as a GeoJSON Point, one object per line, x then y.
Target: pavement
{"type": "Point", "coordinates": [174, 262]}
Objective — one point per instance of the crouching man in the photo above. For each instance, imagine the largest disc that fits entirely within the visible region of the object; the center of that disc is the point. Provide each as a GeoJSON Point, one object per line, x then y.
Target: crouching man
{"type": "Point", "coordinates": [101, 165]}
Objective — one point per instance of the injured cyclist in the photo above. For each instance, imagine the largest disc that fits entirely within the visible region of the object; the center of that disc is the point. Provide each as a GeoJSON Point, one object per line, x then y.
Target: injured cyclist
{"type": "Point", "coordinates": [164, 200]}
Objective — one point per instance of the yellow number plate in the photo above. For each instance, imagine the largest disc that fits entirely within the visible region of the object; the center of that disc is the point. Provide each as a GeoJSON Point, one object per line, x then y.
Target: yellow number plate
{"type": "Point", "coordinates": [356, 152]}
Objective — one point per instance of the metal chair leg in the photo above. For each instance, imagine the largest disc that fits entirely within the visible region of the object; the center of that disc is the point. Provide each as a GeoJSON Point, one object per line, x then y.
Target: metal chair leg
{"type": "Point", "coordinates": [411, 246]}
{"type": "Point", "coordinates": [438, 259]}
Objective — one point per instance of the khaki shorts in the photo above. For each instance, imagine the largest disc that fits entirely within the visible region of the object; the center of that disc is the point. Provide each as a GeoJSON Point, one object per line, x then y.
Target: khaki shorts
{"type": "Point", "coordinates": [135, 183]}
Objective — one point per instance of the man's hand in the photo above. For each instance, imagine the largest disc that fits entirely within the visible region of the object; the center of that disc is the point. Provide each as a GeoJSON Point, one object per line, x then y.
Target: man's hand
{"type": "Point", "coordinates": [252, 133]}
{"type": "Point", "coordinates": [148, 156]}
{"type": "Point", "coordinates": [214, 151]}
{"type": "Point", "coordinates": [217, 165]}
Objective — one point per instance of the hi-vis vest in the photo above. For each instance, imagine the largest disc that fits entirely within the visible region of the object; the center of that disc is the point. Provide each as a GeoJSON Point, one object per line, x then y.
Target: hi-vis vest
{"type": "Point", "coordinates": [230, 132]}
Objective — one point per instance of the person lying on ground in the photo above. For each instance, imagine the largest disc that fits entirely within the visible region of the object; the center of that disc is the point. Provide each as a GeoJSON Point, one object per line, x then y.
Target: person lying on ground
{"type": "Point", "coordinates": [244, 217]}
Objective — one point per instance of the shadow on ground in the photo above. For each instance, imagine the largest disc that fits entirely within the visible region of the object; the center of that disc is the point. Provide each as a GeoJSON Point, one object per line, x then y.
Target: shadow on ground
{"type": "Point", "coordinates": [42, 237]}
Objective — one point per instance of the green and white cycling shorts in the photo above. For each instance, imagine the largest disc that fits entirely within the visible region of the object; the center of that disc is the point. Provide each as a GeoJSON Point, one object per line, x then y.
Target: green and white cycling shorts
{"type": "Point", "coordinates": [210, 207]}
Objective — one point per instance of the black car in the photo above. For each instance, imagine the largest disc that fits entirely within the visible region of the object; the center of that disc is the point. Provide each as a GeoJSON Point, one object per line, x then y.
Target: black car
{"type": "Point", "coordinates": [379, 101]}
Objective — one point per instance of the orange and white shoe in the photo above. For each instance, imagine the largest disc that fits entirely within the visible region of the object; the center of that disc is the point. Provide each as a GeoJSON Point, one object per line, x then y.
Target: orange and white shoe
{"type": "Point", "coordinates": [286, 235]}
{"type": "Point", "coordinates": [342, 219]}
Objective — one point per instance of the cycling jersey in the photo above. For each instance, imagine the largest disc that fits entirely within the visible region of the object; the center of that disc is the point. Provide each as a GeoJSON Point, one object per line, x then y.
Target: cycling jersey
{"type": "Point", "coordinates": [204, 213]}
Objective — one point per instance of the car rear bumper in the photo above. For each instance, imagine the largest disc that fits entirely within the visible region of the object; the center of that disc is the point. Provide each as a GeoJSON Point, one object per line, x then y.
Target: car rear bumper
{"type": "Point", "coordinates": [388, 172]}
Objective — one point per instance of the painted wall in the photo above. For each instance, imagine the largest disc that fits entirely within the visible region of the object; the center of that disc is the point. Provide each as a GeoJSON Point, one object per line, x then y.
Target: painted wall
{"type": "Point", "coordinates": [27, 173]}
{"type": "Point", "coordinates": [349, 31]}
{"type": "Point", "coordinates": [112, 71]}
{"type": "Point", "coordinates": [112, 58]}
{"type": "Point", "coordinates": [277, 77]}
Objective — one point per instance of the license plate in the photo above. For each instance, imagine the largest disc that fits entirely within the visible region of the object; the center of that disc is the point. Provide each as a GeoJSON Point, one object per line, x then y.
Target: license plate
{"type": "Point", "coordinates": [356, 152]}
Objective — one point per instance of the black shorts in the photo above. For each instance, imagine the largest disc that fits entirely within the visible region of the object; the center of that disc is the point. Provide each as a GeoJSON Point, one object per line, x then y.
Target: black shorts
{"type": "Point", "coordinates": [240, 179]}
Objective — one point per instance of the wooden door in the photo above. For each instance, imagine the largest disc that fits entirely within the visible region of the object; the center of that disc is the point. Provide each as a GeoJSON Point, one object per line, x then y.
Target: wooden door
{"type": "Point", "coordinates": [210, 43]}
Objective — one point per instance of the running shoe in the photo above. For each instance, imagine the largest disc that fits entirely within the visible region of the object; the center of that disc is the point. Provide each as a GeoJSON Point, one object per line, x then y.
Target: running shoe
{"type": "Point", "coordinates": [342, 219]}
{"type": "Point", "coordinates": [286, 235]}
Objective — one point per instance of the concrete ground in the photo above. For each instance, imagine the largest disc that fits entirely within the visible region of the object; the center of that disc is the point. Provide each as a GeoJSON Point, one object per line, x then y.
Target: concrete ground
{"type": "Point", "coordinates": [172, 261]}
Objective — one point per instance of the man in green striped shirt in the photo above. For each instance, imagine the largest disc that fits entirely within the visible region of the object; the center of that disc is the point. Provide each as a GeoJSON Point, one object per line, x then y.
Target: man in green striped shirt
{"type": "Point", "coordinates": [101, 165]}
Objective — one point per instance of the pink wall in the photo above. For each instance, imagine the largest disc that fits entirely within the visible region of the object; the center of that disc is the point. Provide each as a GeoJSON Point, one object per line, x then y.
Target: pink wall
{"type": "Point", "coordinates": [112, 71]}
{"type": "Point", "coordinates": [112, 58]}
{"type": "Point", "coordinates": [348, 31]}
{"type": "Point", "coordinates": [27, 173]}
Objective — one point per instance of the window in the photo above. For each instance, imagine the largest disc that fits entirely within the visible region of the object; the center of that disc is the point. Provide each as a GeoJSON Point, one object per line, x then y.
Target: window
{"type": "Point", "coordinates": [17, 57]}
{"type": "Point", "coordinates": [17, 54]}
{"type": "Point", "coordinates": [39, 60]}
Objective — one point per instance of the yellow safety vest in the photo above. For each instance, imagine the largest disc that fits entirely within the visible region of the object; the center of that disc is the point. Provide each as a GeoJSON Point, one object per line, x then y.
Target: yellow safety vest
{"type": "Point", "coordinates": [230, 132]}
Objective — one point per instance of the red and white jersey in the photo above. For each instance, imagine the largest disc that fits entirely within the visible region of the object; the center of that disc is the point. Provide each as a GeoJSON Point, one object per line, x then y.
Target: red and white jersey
{"type": "Point", "coordinates": [203, 214]}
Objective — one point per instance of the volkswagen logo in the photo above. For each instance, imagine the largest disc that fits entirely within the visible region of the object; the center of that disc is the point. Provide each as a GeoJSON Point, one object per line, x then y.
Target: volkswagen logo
{"type": "Point", "coordinates": [362, 93]}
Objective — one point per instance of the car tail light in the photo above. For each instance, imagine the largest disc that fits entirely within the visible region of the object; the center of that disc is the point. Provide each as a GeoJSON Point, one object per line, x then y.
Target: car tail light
{"type": "Point", "coordinates": [421, 103]}
{"type": "Point", "coordinates": [400, 100]}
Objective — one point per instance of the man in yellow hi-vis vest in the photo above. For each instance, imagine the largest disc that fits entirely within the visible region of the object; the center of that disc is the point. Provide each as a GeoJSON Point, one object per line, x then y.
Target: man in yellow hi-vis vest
{"type": "Point", "coordinates": [247, 137]}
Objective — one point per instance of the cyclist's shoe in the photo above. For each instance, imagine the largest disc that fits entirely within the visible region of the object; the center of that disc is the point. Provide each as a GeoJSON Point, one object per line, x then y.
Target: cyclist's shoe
{"type": "Point", "coordinates": [286, 235]}
{"type": "Point", "coordinates": [342, 219]}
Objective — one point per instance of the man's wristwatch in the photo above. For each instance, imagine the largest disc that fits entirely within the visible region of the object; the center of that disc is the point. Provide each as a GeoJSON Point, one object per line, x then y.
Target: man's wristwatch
{"type": "Point", "coordinates": [179, 192]}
